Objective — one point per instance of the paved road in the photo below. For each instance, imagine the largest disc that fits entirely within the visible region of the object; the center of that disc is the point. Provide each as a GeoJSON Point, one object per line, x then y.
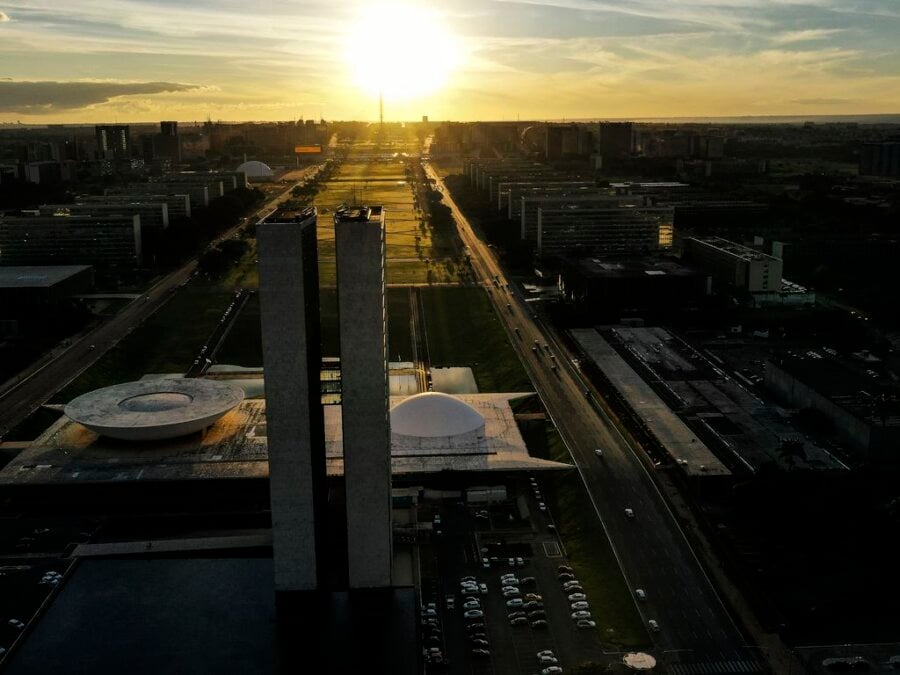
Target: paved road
{"type": "Point", "coordinates": [23, 397]}
{"type": "Point", "coordinates": [695, 628]}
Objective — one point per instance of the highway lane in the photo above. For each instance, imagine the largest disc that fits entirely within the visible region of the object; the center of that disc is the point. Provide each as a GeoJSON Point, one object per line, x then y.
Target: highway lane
{"type": "Point", "coordinates": [23, 397]}
{"type": "Point", "coordinates": [651, 548]}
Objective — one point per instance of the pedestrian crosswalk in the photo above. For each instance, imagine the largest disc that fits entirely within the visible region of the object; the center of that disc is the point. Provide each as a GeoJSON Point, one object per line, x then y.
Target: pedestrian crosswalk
{"type": "Point", "coordinates": [716, 668]}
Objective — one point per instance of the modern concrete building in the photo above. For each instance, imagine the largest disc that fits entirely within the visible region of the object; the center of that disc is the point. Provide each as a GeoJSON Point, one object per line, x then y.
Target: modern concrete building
{"type": "Point", "coordinates": [735, 264]}
{"type": "Point", "coordinates": [880, 159]}
{"type": "Point", "coordinates": [113, 141]}
{"type": "Point", "coordinates": [199, 194]}
{"type": "Point", "coordinates": [600, 231]}
{"type": "Point", "coordinates": [153, 214]}
{"type": "Point", "coordinates": [101, 241]}
{"type": "Point", "coordinates": [579, 199]}
{"type": "Point", "coordinates": [42, 287]}
{"type": "Point", "coordinates": [360, 252]}
{"type": "Point", "coordinates": [177, 205]}
{"type": "Point", "coordinates": [289, 317]}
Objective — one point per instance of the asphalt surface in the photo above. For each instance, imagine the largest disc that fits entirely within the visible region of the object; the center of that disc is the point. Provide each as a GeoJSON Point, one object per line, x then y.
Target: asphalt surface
{"type": "Point", "coordinates": [695, 629]}
{"type": "Point", "coordinates": [23, 397]}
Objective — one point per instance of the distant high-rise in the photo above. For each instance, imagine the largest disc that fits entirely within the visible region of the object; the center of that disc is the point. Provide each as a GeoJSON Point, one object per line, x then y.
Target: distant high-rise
{"type": "Point", "coordinates": [360, 252]}
{"type": "Point", "coordinates": [616, 139]}
{"type": "Point", "coordinates": [289, 317]}
{"type": "Point", "coordinates": [880, 159]}
{"type": "Point", "coordinates": [113, 141]}
{"type": "Point", "coordinates": [169, 128]}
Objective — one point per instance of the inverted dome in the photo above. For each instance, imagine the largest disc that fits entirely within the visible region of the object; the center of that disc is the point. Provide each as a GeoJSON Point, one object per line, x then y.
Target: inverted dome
{"type": "Point", "coordinates": [433, 415]}
{"type": "Point", "coordinates": [255, 169]}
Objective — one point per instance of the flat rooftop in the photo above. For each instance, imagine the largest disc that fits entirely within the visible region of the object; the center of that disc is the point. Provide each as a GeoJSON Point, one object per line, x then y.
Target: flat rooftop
{"type": "Point", "coordinates": [212, 615]}
{"type": "Point", "coordinates": [358, 214]}
{"type": "Point", "coordinates": [43, 276]}
{"type": "Point", "coordinates": [235, 447]}
{"type": "Point", "coordinates": [733, 248]}
{"type": "Point", "coordinates": [634, 268]}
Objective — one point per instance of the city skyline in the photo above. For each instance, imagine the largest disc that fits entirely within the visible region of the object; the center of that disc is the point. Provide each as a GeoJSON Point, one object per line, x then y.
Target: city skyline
{"type": "Point", "coordinates": [142, 61]}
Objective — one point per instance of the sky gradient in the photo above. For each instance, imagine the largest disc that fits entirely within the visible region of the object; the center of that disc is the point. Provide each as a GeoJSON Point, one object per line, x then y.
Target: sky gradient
{"type": "Point", "coordinates": [145, 60]}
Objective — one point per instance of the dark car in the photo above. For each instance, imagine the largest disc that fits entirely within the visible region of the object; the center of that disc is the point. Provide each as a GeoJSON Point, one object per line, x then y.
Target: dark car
{"type": "Point", "coordinates": [481, 653]}
{"type": "Point", "coordinates": [539, 623]}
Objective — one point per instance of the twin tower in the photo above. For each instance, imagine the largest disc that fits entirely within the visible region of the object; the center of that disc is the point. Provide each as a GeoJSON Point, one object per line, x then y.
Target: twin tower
{"type": "Point", "coordinates": [302, 537]}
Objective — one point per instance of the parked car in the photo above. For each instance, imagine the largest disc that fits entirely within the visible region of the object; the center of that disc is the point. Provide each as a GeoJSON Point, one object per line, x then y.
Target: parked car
{"type": "Point", "coordinates": [481, 653]}
{"type": "Point", "coordinates": [480, 643]}
{"type": "Point", "coordinates": [551, 670]}
{"type": "Point", "coordinates": [518, 621]}
{"type": "Point", "coordinates": [539, 623]}
{"type": "Point", "coordinates": [654, 626]}
{"type": "Point", "coordinates": [515, 615]}
{"type": "Point", "coordinates": [473, 614]}
{"type": "Point", "coordinates": [640, 594]}
{"type": "Point", "coordinates": [574, 589]}
{"type": "Point", "coordinates": [515, 593]}
{"type": "Point", "coordinates": [580, 605]}
{"type": "Point", "coordinates": [548, 660]}
{"type": "Point", "coordinates": [533, 604]}
{"type": "Point", "coordinates": [585, 623]}
{"type": "Point", "coordinates": [581, 614]}
{"type": "Point", "coordinates": [483, 589]}
{"type": "Point", "coordinates": [539, 614]}
{"type": "Point", "coordinates": [533, 596]}
{"type": "Point", "coordinates": [515, 602]}
{"type": "Point", "coordinates": [545, 652]}
{"type": "Point", "coordinates": [629, 513]}
{"type": "Point", "coordinates": [564, 568]}
{"type": "Point", "coordinates": [528, 581]}
{"type": "Point", "coordinates": [571, 582]}
{"type": "Point", "coordinates": [472, 604]}
{"type": "Point", "coordinates": [575, 597]}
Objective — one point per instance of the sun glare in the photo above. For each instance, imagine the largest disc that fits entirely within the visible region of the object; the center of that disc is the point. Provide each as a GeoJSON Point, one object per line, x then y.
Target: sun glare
{"type": "Point", "coordinates": [401, 50]}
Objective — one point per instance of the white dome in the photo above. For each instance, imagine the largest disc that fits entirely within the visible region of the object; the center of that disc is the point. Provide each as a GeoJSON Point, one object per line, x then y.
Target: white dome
{"type": "Point", "coordinates": [434, 415]}
{"type": "Point", "coordinates": [255, 169]}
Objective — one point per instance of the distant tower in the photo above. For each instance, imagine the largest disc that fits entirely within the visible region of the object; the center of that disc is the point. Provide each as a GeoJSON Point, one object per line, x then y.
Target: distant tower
{"type": "Point", "coordinates": [292, 361]}
{"type": "Point", "coordinates": [359, 248]}
{"type": "Point", "coordinates": [381, 108]}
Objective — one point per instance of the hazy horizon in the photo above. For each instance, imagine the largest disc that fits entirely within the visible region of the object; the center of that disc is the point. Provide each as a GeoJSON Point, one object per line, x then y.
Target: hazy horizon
{"type": "Point", "coordinates": [144, 60]}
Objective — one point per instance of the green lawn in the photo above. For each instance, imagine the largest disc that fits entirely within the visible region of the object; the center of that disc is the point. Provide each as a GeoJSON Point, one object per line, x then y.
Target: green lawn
{"type": "Point", "coordinates": [399, 338]}
{"type": "Point", "coordinates": [167, 342]}
{"type": "Point", "coordinates": [463, 330]}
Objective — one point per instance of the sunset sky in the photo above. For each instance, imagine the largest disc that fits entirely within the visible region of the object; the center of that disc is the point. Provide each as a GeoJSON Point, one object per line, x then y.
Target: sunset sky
{"type": "Point", "coordinates": [136, 60]}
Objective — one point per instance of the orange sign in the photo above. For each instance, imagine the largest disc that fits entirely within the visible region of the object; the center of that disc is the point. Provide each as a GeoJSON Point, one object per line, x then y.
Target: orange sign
{"type": "Point", "coordinates": [307, 149]}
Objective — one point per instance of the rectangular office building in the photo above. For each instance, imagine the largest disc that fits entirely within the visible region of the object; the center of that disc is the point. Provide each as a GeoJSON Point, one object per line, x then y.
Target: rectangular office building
{"type": "Point", "coordinates": [101, 241]}
{"type": "Point", "coordinates": [608, 231]}
{"type": "Point", "coordinates": [735, 264]}
{"type": "Point", "coordinates": [153, 214]}
{"type": "Point", "coordinates": [360, 252]}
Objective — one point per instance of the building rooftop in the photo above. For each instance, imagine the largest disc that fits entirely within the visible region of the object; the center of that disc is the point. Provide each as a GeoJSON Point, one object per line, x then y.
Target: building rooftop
{"type": "Point", "coordinates": [234, 447]}
{"type": "Point", "coordinates": [38, 276]}
{"type": "Point", "coordinates": [733, 248]}
{"type": "Point", "coordinates": [360, 214]}
{"type": "Point", "coordinates": [633, 268]}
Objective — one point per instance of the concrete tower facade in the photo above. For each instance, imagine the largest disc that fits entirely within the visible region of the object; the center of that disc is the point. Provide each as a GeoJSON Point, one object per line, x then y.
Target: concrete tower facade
{"type": "Point", "coordinates": [360, 251]}
{"type": "Point", "coordinates": [289, 308]}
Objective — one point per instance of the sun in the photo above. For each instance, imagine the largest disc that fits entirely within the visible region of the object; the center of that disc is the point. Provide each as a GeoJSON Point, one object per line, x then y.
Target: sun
{"type": "Point", "coordinates": [402, 51]}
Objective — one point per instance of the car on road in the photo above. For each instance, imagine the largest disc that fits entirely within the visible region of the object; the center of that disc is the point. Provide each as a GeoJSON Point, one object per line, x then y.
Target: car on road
{"type": "Point", "coordinates": [581, 604]}
{"type": "Point", "coordinates": [654, 626]}
{"type": "Point", "coordinates": [598, 452]}
{"type": "Point", "coordinates": [515, 602]}
{"type": "Point", "coordinates": [92, 348]}
{"type": "Point", "coordinates": [473, 614]}
{"type": "Point", "coordinates": [575, 597]}
{"type": "Point", "coordinates": [483, 589]}
{"type": "Point", "coordinates": [542, 506]}
{"type": "Point", "coordinates": [629, 513]}
{"type": "Point", "coordinates": [450, 600]}
{"type": "Point", "coordinates": [15, 623]}
{"type": "Point", "coordinates": [585, 624]}
{"type": "Point", "coordinates": [581, 614]}
{"type": "Point", "coordinates": [640, 594]}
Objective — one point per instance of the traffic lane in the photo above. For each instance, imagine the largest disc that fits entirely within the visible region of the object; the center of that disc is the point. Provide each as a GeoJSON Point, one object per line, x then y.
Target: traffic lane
{"type": "Point", "coordinates": [684, 572]}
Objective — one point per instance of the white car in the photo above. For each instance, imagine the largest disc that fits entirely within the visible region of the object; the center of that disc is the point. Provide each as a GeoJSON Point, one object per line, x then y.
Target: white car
{"type": "Point", "coordinates": [547, 660]}
{"type": "Point", "coordinates": [509, 588]}
{"type": "Point", "coordinates": [472, 604]}
{"type": "Point", "coordinates": [575, 597]}
{"type": "Point", "coordinates": [551, 670]}
{"type": "Point", "coordinates": [473, 614]}
{"type": "Point", "coordinates": [516, 593]}
{"type": "Point", "coordinates": [585, 623]}
{"type": "Point", "coordinates": [653, 625]}
{"type": "Point", "coordinates": [580, 605]}
{"type": "Point", "coordinates": [598, 452]}
{"type": "Point", "coordinates": [545, 652]}
{"type": "Point", "coordinates": [483, 589]}
{"type": "Point", "coordinates": [509, 581]}
{"type": "Point", "coordinates": [515, 602]}
{"type": "Point", "coordinates": [570, 583]}
{"type": "Point", "coordinates": [581, 614]}
{"type": "Point", "coordinates": [640, 594]}
{"type": "Point", "coordinates": [629, 513]}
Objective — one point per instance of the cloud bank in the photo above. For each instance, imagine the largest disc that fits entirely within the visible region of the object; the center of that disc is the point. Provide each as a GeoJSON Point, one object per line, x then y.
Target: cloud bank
{"type": "Point", "coordinates": [46, 97]}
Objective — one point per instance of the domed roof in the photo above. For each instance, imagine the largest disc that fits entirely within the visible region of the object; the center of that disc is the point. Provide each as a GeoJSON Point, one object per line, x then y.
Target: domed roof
{"type": "Point", "coordinates": [255, 169]}
{"type": "Point", "coordinates": [433, 414]}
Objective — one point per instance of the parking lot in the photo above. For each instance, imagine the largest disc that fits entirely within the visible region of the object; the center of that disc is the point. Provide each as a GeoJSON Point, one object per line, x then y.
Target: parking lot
{"type": "Point", "coordinates": [515, 538]}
